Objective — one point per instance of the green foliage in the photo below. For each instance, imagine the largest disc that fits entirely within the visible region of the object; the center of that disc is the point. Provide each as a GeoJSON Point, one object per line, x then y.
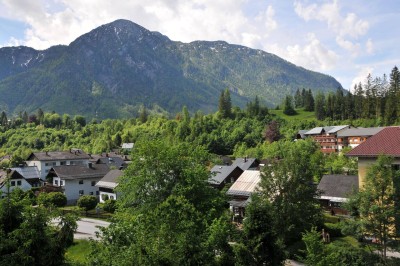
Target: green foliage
{"type": "Point", "coordinates": [57, 199]}
{"type": "Point", "coordinates": [87, 202]}
{"type": "Point", "coordinates": [110, 205]}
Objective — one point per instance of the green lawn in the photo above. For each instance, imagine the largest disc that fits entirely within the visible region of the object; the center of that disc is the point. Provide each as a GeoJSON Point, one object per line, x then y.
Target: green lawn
{"type": "Point", "coordinates": [78, 252]}
{"type": "Point", "coordinates": [301, 115]}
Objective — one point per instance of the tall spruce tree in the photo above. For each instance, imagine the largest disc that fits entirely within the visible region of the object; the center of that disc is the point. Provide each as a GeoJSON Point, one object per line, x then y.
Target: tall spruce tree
{"type": "Point", "coordinates": [225, 105]}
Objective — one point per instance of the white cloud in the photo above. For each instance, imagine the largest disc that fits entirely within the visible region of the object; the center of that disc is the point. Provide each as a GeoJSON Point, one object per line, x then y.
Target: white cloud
{"type": "Point", "coordinates": [354, 49]}
{"type": "Point", "coordinates": [361, 76]}
{"type": "Point", "coordinates": [54, 22]}
{"type": "Point", "coordinates": [370, 46]}
{"type": "Point", "coordinates": [345, 26]}
{"type": "Point", "coordinates": [313, 55]}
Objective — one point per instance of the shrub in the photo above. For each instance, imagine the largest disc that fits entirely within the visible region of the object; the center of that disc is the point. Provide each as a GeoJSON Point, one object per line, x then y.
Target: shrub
{"type": "Point", "coordinates": [334, 230]}
{"type": "Point", "coordinates": [110, 205]}
{"type": "Point", "coordinates": [87, 202]}
{"type": "Point", "coordinates": [57, 199]}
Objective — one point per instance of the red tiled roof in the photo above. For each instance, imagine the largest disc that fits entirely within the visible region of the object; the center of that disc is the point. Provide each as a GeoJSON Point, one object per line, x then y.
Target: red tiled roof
{"type": "Point", "coordinates": [385, 142]}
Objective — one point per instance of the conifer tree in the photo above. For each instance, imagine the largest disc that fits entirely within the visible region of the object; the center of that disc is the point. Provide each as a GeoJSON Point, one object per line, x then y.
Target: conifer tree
{"type": "Point", "coordinates": [225, 105]}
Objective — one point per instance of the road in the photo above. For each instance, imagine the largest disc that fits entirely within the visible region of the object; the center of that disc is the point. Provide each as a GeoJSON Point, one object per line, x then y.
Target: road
{"type": "Point", "coordinates": [87, 228]}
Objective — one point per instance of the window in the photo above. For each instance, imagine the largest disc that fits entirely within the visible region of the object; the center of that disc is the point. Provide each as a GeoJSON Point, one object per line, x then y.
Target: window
{"type": "Point", "coordinates": [54, 163]}
{"type": "Point", "coordinates": [111, 197]}
{"type": "Point", "coordinates": [46, 164]}
{"type": "Point", "coordinates": [63, 162]}
{"type": "Point", "coordinates": [81, 192]}
{"type": "Point", "coordinates": [80, 182]}
{"type": "Point", "coordinates": [19, 182]}
{"type": "Point", "coordinates": [61, 182]}
{"type": "Point", "coordinates": [396, 167]}
{"type": "Point", "coordinates": [56, 182]}
{"type": "Point", "coordinates": [12, 183]}
{"type": "Point", "coordinates": [93, 183]}
{"type": "Point", "coordinates": [91, 193]}
{"type": "Point", "coordinates": [46, 171]}
{"type": "Point", "coordinates": [97, 193]}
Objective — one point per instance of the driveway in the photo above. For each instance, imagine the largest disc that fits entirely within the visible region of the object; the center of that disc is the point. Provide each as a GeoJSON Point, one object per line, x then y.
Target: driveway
{"type": "Point", "coordinates": [87, 228]}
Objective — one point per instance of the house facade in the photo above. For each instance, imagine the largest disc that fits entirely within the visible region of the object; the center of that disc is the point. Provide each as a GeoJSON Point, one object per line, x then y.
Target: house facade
{"type": "Point", "coordinates": [352, 137]}
{"type": "Point", "coordinates": [386, 142]}
{"type": "Point", "coordinates": [78, 180]}
{"type": "Point", "coordinates": [10, 180]}
{"type": "Point", "coordinates": [108, 184]}
{"type": "Point", "coordinates": [326, 137]}
{"type": "Point", "coordinates": [240, 192]}
{"type": "Point", "coordinates": [44, 161]}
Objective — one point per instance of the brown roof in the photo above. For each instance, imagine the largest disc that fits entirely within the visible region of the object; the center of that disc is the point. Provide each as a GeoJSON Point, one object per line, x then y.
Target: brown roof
{"type": "Point", "coordinates": [73, 154]}
{"type": "Point", "coordinates": [387, 142]}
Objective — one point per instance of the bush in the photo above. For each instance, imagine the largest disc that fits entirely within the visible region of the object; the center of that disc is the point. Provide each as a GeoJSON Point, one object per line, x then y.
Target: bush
{"type": "Point", "coordinates": [57, 199]}
{"type": "Point", "coordinates": [334, 230]}
{"type": "Point", "coordinates": [110, 205]}
{"type": "Point", "coordinates": [87, 202]}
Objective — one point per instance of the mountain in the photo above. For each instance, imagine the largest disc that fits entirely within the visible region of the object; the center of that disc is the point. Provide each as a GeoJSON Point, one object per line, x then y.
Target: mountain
{"type": "Point", "coordinates": [117, 67]}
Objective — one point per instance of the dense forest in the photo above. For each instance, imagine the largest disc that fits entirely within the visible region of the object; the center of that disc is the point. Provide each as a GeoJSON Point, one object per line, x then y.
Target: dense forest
{"type": "Point", "coordinates": [377, 99]}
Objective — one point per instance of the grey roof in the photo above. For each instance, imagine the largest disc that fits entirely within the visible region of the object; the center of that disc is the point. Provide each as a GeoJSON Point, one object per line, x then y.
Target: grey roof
{"type": "Point", "coordinates": [335, 129]}
{"type": "Point", "coordinates": [244, 163]}
{"type": "Point", "coordinates": [73, 154]}
{"type": "Point", "coordinates": [28, 172]}
{"type": "Point", "coordinates": [362, 132]}
{"type": "Point", "coordinates": [117, 162]}
{"type": "Point", "coordinates": [220, 173]}
{"type": "Point", "coordinates": [79, 171]}
{"type": "Point", "coordinates": [245, 184]}
{"type": "Point", "coordinates": [240, 203]}
{"type": "Point", "coordinates": [12, 175]}
{"type": "Point", "coordinates": [314, 131]}
{"type": "Point", "coordinates": [338, 186]}
{"type": "Point", "coordinates": [302, 132]}
{"type": "Point", "coordinates": [127, 145]}
{"type": "Point", "coordinates": [110, 180]}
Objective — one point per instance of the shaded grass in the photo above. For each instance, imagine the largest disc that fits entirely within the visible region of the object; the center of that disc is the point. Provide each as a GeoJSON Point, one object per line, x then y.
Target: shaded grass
{"type": "Point", "coordinates": [301, 115]}
{"type": "Point", "coordinates": [78, 252]}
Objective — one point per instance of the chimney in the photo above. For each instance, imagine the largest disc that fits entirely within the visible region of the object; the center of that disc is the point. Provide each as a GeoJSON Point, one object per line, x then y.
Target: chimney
{"type": "Point", "coordinates": [90, 165]}
{"type": "Point", "coordinates": [106, 154]}
{"type": "Point", "coordinates": [245, 159]}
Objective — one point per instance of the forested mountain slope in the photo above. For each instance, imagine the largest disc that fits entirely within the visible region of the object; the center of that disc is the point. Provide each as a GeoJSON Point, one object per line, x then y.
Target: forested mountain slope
{"type": "Point", "coordinates": [117, 67]}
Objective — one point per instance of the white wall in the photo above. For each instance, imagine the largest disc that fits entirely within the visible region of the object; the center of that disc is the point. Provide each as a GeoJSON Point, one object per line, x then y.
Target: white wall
{"type": "Point", "coordinates": [72, 187]}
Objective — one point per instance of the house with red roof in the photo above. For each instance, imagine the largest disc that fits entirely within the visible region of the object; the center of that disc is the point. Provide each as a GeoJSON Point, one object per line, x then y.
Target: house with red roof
{"type": "Point", "coordinates": [386, 142]}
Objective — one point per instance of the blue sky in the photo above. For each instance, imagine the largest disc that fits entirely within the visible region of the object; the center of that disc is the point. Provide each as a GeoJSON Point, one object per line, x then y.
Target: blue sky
{"type": "Point", "coordinates": [344, 39]}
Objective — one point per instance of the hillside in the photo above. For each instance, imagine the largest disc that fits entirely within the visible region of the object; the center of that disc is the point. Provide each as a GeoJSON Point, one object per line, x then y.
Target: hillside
{"type": "Point", "coordinates": [116, 67]}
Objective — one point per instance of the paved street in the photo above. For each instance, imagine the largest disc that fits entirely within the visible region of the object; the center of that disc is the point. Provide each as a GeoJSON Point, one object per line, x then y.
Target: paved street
{"type": "Point", "coordinates": [87, 228]}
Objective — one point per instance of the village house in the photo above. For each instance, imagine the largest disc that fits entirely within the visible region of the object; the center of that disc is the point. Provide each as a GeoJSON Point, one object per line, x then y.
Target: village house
{"type": "Point", "coordinates": [44, 161]}
{"type": "Point", "coordinates": [352, 137]}
{"type": "Point", "coordinates": [326, 137]}
{"type": "Point", "coordinates": [11, 179]}
{"type": "Point", "coordinates": [31, 175]}
{"type": "Point", "coordinates": [246, 163]}
{"type": "Point", "coordinates": [335, 190]}
{"type": "Point", "coordinates": [108, 184]}
{"type": "Point", "coordinates": [222, 174]}
{"type": "Point", "coordinates": [240, 192]}
{"type": "Point", "coordinates": [386, 142]}
{"type": "Point", "coordinates": [77, 180]}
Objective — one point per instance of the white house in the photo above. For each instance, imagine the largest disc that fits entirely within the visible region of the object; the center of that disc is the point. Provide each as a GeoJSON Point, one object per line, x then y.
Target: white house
{"type": "Point", "coordinates": [10, 180]}
{"type": "Point", "coordinates": [107, 185]}
{"type": "Point", "coordinates": [78, 180]}
{"type": "Point", "coordinates": [44, 161]}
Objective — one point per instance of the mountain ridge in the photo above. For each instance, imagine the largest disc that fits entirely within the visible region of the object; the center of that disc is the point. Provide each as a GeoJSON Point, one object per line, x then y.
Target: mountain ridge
{"type": "Point", "coordinates": [113, 69]}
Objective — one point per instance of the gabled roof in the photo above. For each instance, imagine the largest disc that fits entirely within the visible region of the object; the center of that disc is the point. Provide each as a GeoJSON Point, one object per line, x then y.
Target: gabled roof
{"type": "Point", "coordinates": [79, 171]}
{"type": "Point", "coordinates": [337, 187]}
{"type": "Point", "coordinates": [110, 180]}
{"type": "Point", "coordinates": [387, 142]}
{"type": "Point", "coordinates": [244, 163]}
{"type": "Point", "coordinates": [245, 184]}
{"type": "Point", "coordinates": [73, 154]}
{"type": "Point", "coordinates": [359, 132]}
{"type": "Point", "coordinates": [117, 162]}
{"type": "Point", "coordinates": [12, 175]}
{"type": "Point", "coordinates": [335, 129]}
{"type": "Point", "coordinates": [221, 172]}
{"type": "Point", "coordinates": [328, 130]}
{"type": "Point", "coordinates": [28, 172]}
